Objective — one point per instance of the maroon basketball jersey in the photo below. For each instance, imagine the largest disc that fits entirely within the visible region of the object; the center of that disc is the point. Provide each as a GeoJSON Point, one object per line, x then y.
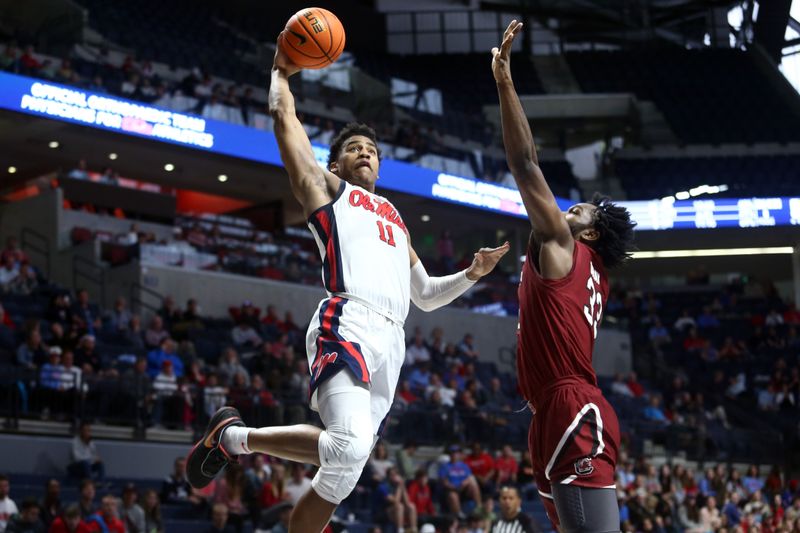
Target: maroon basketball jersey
{"type": "Point", "coordinates": [558, 321]}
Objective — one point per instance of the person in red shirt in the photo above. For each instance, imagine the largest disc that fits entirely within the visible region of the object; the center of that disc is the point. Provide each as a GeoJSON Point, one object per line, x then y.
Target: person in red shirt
{"type": "Point", "coordinates": [482, 465]}
{"type": "Point", "coordinates": [107, 516]}
{"type": "Point", "coordinates": [71, 522]}
{"type": "Point", "coordinates": [419, 493]}
{"type": "Point", "coordinates": [633, 384]}
{"type": "Point", "coordinates": [506, 467]}
{"type": "Point", "coordinates": [563, 290]}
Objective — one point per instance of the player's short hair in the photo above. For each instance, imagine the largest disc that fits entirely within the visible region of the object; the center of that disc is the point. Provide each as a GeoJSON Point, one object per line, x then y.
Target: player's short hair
{"type": "Point", "coordinates": [348, 131]}
{"type": "Point", "coordinates": [613, 223]}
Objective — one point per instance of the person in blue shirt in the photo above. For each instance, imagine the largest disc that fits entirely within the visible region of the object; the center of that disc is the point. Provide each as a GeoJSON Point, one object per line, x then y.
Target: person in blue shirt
{"type": "Point", "coordinates": [456, 479]}
{"type": "Point", "coordinates": [654, 413]}
{"type": "Point", "coordinates": [165, 352]}
{"type": "Point", "coordinates": [731, 509]}
{"type": "Point", "coordinates": [420, 377]}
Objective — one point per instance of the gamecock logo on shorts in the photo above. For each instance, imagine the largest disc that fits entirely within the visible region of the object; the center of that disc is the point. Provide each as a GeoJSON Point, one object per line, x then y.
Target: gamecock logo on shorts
{"type": "Point", "coordinates": [584, 467]}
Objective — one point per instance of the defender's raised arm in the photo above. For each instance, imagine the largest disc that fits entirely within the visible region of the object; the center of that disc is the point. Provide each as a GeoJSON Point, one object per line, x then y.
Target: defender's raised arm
{"type": "Point", "coordinates": [546, 218]}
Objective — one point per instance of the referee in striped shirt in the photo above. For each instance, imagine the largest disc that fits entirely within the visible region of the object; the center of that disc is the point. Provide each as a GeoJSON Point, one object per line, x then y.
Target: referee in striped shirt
{"type": "Point", "coordinates": [512, 519]}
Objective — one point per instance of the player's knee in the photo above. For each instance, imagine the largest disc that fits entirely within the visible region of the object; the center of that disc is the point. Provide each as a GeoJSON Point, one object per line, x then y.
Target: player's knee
{"type": "Point", "coordinates": [347, 444]}
{"type": "Point", "coordinates": [334, 484]}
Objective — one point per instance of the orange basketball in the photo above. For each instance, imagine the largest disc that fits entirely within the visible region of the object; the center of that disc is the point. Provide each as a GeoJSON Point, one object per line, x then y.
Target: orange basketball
{"type": "Point", "coordinates": [314, 38]}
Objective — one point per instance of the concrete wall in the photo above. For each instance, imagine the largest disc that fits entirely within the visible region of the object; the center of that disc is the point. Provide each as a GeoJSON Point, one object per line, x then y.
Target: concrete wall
{"type": "Point", "coordinates": [41, 214]}
{"type": "Point", "coordinates": [21, 454]}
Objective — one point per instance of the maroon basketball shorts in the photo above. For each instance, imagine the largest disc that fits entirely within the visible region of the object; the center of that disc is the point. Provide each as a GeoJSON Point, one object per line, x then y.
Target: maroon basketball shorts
{"type": "Point", "coordinates": [573, 440]}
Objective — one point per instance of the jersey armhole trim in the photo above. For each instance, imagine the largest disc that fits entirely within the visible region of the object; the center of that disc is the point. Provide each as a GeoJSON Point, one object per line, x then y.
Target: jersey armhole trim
{"type": "Point", "coordinates": [339, 193]}
{"type": "Point", "coordinates": [556, 282]}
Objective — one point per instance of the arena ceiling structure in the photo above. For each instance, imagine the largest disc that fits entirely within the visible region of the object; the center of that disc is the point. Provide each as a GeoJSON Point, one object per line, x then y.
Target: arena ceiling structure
{"type": "Point", "coordinates": [692, 23]}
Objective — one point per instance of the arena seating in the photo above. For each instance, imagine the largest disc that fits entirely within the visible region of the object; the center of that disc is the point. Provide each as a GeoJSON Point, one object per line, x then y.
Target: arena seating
{"type": "Point", "coordinates": [707, 96]}
{"type": "Point", "coordinates": [747, 176]}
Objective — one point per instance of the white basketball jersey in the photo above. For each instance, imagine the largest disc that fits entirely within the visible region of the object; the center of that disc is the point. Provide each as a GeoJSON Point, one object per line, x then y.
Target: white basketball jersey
{"type": "Point", "coordinates": [364, 248]}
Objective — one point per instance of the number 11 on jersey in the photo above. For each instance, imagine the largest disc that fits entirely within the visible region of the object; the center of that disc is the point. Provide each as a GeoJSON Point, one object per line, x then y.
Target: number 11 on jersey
{"type": "Point", "coordinates": [386, 234]}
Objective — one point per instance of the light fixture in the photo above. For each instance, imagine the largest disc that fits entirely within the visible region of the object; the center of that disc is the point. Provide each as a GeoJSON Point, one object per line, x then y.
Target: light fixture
{"type": "Point", "coordinates": [712, 252]}
{"type": "Point", "coordinates": [53, 144]}
{"type": "Point", "coordinates": [112, 156]}
{"type": "Point", "coordinates": [222, 178]}
{"type": "Point", "coordinates": [169, 167]}
{"type": "Point", "coordinates": [426, 218]}
{"type": "Point", "coordinates": [12, 170]}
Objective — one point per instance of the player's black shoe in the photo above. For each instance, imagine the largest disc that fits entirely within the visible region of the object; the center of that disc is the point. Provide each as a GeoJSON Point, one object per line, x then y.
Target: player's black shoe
{"type": "Point", "coordinates": [208, 456]}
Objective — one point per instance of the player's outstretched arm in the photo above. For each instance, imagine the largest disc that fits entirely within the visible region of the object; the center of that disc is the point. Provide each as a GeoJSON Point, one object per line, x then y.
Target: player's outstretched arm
{"type": "Point", "coordinates": [312, 186]}
{"type": "Point", "coordinates": [429, 293]}
{"type": "Point", "coordinates": [546, 218]}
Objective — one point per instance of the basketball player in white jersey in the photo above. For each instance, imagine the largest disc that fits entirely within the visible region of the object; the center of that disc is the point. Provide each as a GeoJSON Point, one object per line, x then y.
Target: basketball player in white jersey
{"type": "Point", "coordinates": [355, 341]}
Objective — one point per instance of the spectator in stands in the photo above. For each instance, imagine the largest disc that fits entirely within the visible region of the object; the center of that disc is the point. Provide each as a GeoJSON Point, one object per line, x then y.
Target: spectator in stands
{"type": "Point", "coordinates": [752, 481]}
{"type": "Point", "coordinates": [81, 172]}
{"type": "Point", "coordinates": [273, 491]}
{"type": "Point", "coordinates": [214, 394]}
{"type": "Point", "coordinates": [654, 413]}
{"type": "Point", "coordinates": [467, 348]}
{"type": "Point", "coordinates": [155, 333]}
{"type": "Point", "coordinates": [65, 73]}
{"type": "Point", "coordinates": [420, 377]}
{"type": "Point", "coordinates": [86, 356]}
{"type": "Point", "coordinates": [9, 61]}
{"type": "Point", "coordinates": [731, 350]}
{"type": "Point", "coordinates": [169, 312]}
{"type": "Point", "coordinates": [71, 376]}
{"type": "Point", "coordinates": [446, 394]}
{"type": "Point", "coordinates": [175, 488]}
{"type": "Point", "coordinates": [106, 520]}
{"type": "Point", "coordinates": [773, 319]}
{"type": "Point", "coordinates": [60, 310]}
{"type": "Point", "coordinates": [419, 495]}
{"type": "Point", "coordinates": [757, 507]}
{"type": "Point", "coordinates": [165, 352]}
{"type": "Point", "coordinates": [245, 337]}
{"type": "Point", "coordinates": [506, 467]}
{"type": "Point", "coordinates": [298, 484]}
{"type": "Point", "coordinates": [86, 462]}
{"type": "Point", "coordinates": [165, 387]}
{"type": "Point", "coordinates": [70, 522]}
{"type": "Point", "coordinates": [86, 498]}
{"type": "Point", "coordinates": [7, 506]}
{"type": "Point", "coordinates": [694, 343]}
{"type": "Point", "coordinates": [511, 516]}
{"type": "Point", "coordinates": [707, 319]}
{"type": "Point", "coordinates": [27, 521]}
{"type": "Point", "coordinates": [152, 512]}
{"type": "Point", "coordinates": [8, 273]}
{"type": "Point", "coordinates": [119, 318]}
{"type": "Point", "coordinates": [85, 314]}
{"type": "Point", "coordinates": [456, 479]}
{"type": "Point", "coordinates": [51, 503]}
{"type": "Point", "coordinates": [219, 520]}
{"type": "Point", "coordinates": [13, 250]}
{"type": "Point", "coordinates": [131, 514]}
{"type": "Point", "coordinates": [417, 351]}
{"type": "Point", "coordinates": [29, 63]}
{"type": "Point", "coordinates": [230, 367]}
{"type": "Point", "coordinates": [230, 490]}
{"type": "Point", "coordinates": [731, 510]}
{"type": "Point", "coordinates": [26, 281]}
{"type": "Point", "coordinates": [395, 501]}
{"type": "Point", "coordinates": [496, 397]}
{"type": "Point", "coordinates": [659, 335]}
{"type": "Point", "coordinates": [51, 371]}
{"type": "Point", "coordinates": [483, 468]}
{"type": "Point", "coordinates": [33, 352]}
{"type": "Point", "coordinates": [379, 463]}
{"type": "Point", "coordinates": [685, 321]}
{"type": "Point", "coordinates": [635, 387]}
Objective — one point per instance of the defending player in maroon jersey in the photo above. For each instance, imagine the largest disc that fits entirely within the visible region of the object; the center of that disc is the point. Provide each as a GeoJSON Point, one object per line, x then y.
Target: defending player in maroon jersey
{"type": "Point", "coordinates": [563, 289]}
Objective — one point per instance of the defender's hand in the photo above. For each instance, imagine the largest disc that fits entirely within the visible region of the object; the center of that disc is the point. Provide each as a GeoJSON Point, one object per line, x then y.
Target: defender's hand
{"type": "Point", "coordinates": [282, 61]}
{"type": "Point", "coordinates": [485, 260]}
{"type": "Point", "coordinates": [501, 57]}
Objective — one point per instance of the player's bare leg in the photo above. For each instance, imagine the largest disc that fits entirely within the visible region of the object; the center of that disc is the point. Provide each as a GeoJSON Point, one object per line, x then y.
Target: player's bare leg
{"type": "Point", "coordinates": [311, 513]}
{"type": "Point", "coordinates": [298, 443]}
